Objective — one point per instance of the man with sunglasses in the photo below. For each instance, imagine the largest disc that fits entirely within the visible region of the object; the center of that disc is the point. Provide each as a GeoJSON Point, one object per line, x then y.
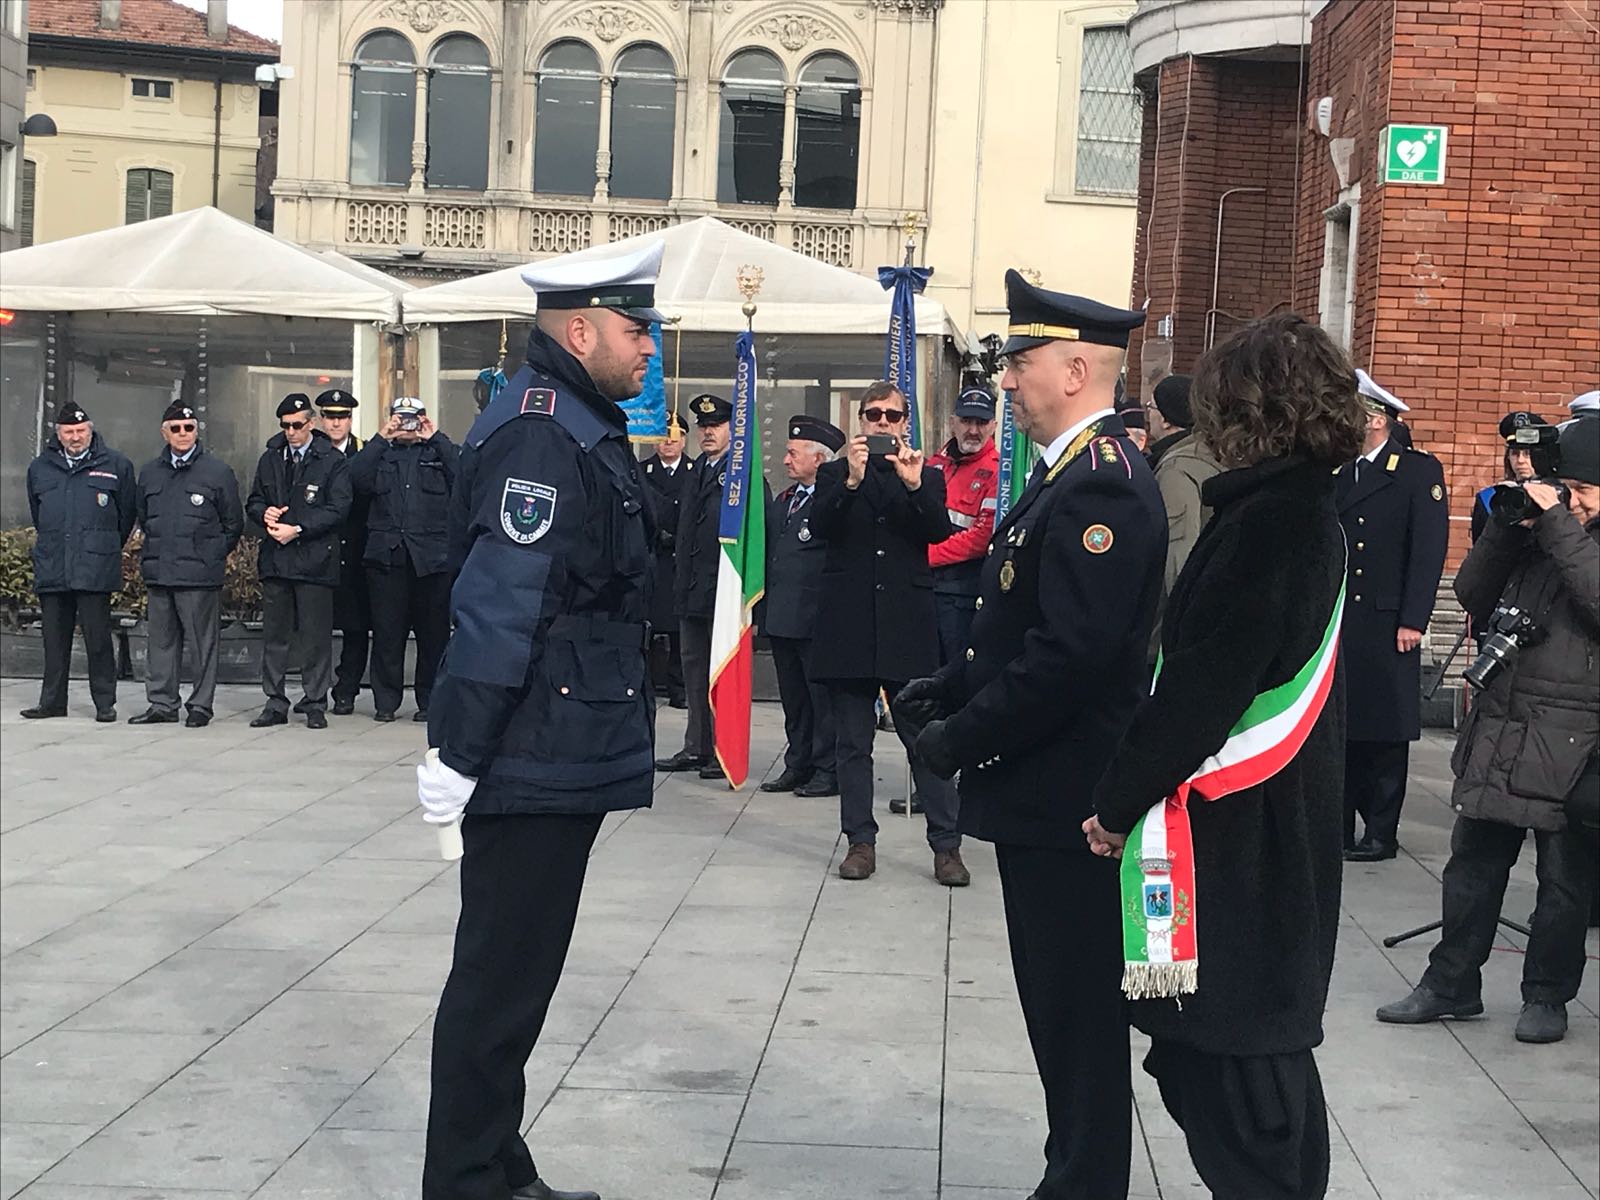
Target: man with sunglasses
{"type": "Point", "coordinates": [879, 509]}
{"type": "Point", "coordinates": [298, 504]}
{"type": "Point", "coordinates": [188, 507]}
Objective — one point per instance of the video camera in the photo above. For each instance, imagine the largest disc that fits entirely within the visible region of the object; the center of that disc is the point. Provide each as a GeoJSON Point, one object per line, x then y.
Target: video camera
{"type": "Point", "coordinates": [1510, 629]}
{"type": "Point", "coordinates": [1509, 503]}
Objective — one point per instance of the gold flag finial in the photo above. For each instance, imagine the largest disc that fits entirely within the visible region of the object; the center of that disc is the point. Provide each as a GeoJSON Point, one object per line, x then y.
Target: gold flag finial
{"type": "Point", "coordinates": [749, 280]}
{"type": "Point", "coordinates": [1032, 274]}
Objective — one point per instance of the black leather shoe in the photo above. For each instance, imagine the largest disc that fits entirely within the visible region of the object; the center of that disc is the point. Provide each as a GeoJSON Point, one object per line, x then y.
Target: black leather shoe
{"type": "Point", "coordinates": [269, 716]}
{"type": "Point", "coordinates": [1367, 850]}
{"type": "Point", "coordinates": [343, 708]}
{"type": "Point", "coordinates": [712, 770]}
{"type": "Point", "coordinates": [681, 761]}
{"type": "Point", "coordinates": [385, 717]}
{"type": "Point", "coordinates": [823, 783]}
{"type": "Point", "coordinates": [420, 716]}
{"type": "Point", "coordinates": [1424, 1005]}
{"type": "Point", "coordinates": [316, 719]}
{"type": "Point", "coordinates": [1541, 1024]}
{"type": "Point", "coordinates": [105, 715]}
{"type": "Point", "coordinates": [40, 713]}
{"type": "Point", "coordinates": [540, 1190]}
{"type": "Point", "coordinates": [898, 805]}
{"type": "Point", "coordinates": [154, 716]}
{"type": "Point", "coordinates": [787, 782]}
{"type": "Point", "coordinates": [197, 720]}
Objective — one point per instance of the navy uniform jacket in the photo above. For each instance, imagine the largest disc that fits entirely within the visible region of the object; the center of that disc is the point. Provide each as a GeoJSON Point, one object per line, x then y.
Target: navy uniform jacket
{"type": "Point", "coordinates": [82, 514]}
{"type": "Point", "coordinates": [191, 517]}
{"type": "Point", "coordinates": [541, 694]}
{"type": "Point", "coordinates": [666, 489]}
{"type": "Point", "coordinates": [1057, 661]}
{"type": "Point", "coordinates": [1397, 528]}
{"type": "Point", "coordinates": [796, 553]}
{"type": "Point", "coordinates": [350, 609]}
{"type": "Point", "coordinates": [408, 487]}
{"type": "Point", "coordinates": [877, 609]}
{"type": "Point", "coordinates": [319, 502]}
{"type": "Point", "coordinates": [697, 552]}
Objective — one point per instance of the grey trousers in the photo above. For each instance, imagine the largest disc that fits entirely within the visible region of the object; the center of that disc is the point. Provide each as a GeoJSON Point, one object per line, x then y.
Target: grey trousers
{"type": "Point", "coordinates": [302, 614]}
{"type": "Point", "coordinates": [176, 616]}
{"type": "Point", "coordinates": [694, 643]}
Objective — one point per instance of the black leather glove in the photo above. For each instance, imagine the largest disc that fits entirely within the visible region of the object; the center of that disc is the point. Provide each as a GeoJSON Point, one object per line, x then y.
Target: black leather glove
{"type": "Point", "coordinates": [920, 702]}
{"type": "Point", "coordinates": [935, 752]}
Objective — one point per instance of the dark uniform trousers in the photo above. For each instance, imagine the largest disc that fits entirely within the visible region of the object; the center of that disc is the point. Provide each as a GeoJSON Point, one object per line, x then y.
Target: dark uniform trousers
{"type": "Point", "coordinates": [694, 645]}
{"type": "Point", "coordinates": [402, 601]}
{"type": "Point", "coordinates": [354, 637]}
{"type": "Point", "coordinates": [175, 617]}
{"type": "Point", "coordinates": [521, 878]}
{"type": "Point", "coordinates": [1375, 787]}
{"type": "Point", "coordinates": [1064, 918]}
{"type": "Point", "coordinates": [301, 614]}
{"type": "Point", "coordinates": [60, 613]}
{"type": "Point", "coordinates": [855, 723]}
{"type": "Point", "coordinates": [1481, 856]}
{"type": "Point", "coordinates": [807, 710]}
{"type": "Point", "coordinates": [955, 613]}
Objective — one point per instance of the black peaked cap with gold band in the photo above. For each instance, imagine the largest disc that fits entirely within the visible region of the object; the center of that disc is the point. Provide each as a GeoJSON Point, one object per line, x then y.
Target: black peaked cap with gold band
{"type": "Point", "coordinates": [624, 283]}
{"type": "Point", "coordinates": [1039, 316]}
{"type": "Point", "coordinates": [709, 409]}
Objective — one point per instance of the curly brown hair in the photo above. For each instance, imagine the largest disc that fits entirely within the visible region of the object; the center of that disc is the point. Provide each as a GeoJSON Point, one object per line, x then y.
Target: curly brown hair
{"type": "Point", "coordinates": [1279, 386]}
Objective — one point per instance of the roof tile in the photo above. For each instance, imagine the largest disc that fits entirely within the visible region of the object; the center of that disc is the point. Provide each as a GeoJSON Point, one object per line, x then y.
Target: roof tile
{"type": "Point", "coordinates": [147, 22]}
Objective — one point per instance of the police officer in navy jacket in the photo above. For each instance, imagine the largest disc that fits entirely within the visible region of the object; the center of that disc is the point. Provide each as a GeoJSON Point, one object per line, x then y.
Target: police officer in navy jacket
{"type": "Point", "coordinates": [81, 495]}
{"type": "Point", "coordinates": [541, 716]}
{"type": "Point", "coordinates": [1395, 514]}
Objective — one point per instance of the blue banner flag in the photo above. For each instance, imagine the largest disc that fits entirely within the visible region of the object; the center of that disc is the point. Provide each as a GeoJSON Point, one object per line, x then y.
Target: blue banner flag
{"type": "Point", "coordinates": [900, 350]}
{"type": "Point", "coordinates": [647, 412]}
{"type": "Point", "coordinates": [736, 494]}
{"type": "Point", "coordinates": [1017, 456]}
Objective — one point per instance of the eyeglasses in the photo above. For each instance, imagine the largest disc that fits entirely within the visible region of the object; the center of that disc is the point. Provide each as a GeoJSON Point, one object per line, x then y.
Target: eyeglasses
{"type": "Point", "coordinates": [293, 424]}
{"type": "Point", "coordinates": [891, 416]}
{"type": "Point", "coordinates": [186, 427]}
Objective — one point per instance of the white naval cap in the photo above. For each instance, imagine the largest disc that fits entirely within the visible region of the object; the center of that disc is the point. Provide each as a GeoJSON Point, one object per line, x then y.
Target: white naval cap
{"type": "Point", "coordinates": [1382, 396]}
{"type": "Point", "coordinates": [1589, 402]}
{"type": "Point", "coordinates": [625, 282]}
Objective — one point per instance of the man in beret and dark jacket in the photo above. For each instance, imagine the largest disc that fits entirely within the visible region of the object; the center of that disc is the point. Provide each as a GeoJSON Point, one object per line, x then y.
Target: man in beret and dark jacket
{"type": "Point", "coordinates": [298, 503]}
{"type": "Point", "coordinates": [188, 508]}
{"type": "Point", "coordinates": [80, 492]}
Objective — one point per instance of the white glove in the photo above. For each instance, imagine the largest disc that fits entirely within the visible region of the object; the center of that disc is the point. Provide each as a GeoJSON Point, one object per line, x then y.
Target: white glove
{"type": "Point", "coordinates": [442, 791]}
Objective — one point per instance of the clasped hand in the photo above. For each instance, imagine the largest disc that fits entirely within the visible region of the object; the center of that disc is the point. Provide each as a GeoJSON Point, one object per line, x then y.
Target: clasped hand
{"type": "Point", "coordinates": [1102, 841]}
{"type": "Point", "coordinates": [278, 532]}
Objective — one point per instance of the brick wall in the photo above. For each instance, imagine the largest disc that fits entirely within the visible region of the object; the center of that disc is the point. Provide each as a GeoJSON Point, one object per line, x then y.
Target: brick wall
{"type": "Point", "coordinates": [1211, 126]}
{"type": "Point", "coordinates": [1482, 295]}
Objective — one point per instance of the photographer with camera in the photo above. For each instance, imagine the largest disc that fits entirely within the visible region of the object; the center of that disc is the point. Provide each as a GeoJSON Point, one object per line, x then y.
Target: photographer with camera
{"type": "Point", "coordinates": [1530, 454]}
{"type": "Point", "coordinates": [1525, 758]}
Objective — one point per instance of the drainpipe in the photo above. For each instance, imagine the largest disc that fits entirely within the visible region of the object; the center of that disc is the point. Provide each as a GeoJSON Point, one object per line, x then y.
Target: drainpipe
{"type": "Point", "coordinates": [1216, 263]}
{"type": "Point", "coordinates": [216, 145]}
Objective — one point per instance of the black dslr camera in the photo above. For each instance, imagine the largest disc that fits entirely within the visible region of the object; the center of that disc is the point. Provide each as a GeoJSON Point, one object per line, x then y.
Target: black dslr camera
{"type": "Point", "coordinates": [1510, 629]}
{"type": "Point", "coordinates": [1509, 503]}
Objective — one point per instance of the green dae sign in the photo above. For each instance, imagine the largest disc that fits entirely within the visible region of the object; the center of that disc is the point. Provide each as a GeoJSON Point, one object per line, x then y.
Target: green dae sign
{"type": "Point", "coordinates": [1413, 153]}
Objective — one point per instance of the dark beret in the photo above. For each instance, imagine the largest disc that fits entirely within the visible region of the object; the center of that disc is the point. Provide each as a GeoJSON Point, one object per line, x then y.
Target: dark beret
{"type": "Point", "coordinates": [294, 402]}
{"type": "Point", "coordinates": [178, 411]}
{"type": "Point", "coordinates": [71, 413]}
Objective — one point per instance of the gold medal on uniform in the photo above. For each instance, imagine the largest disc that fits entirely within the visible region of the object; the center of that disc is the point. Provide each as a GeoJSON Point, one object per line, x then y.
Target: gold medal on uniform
{"type": "Point", "coordinates": [1008, 575]}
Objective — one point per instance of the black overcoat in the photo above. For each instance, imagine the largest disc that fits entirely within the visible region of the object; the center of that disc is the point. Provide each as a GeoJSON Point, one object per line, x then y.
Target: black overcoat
{"type": "Point", "coordinates": [82, 514]}
{"type": "Point", "coordinates": [876, 612]}
{"type": "Point", "coordinates": [697, 551]}
{"type": "Point", "coordinates": [351, 610]}
{"type": "Point", "coordinates": [1247, 612]}
{"type": "Point", "coordinates": [408, 486]}
{"type": "Point", "coordinates": [319, 502]}
{"type": "Point", "coordinates": [191, 517]}
{"type": "Point", "coordinates": [796, 554]}
{"type": "Point", "coordinates": [1056, 663]}
{"type": "Point", "coordinates": [666, 490]}
{"type": "Point", "coordinates": [1396, 523]}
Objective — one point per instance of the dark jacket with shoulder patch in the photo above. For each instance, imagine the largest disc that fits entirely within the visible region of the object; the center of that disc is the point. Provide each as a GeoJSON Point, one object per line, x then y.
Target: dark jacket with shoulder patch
{"type": "Point", "coordinates": [318, 497]}
{"type": "Point", "coordinates": [191, 519]}
{"type": "Point", "coordinates": [1532, 731]}
{"type": "Point", "coordinates": [83, 513]}
{"type": "Point", "coordinates": [1249, 610]}
{"type": "Point", "coordinates": [407, 486]}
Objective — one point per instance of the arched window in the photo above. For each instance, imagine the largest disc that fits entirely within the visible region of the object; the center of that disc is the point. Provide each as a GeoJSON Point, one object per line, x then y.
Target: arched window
{"type": "Point", "coordinates": [644, 103]}
{"type": "Point", "coordinates": [458, 113]}
{"type": "Point", "coordinates": [383, 110]}
{"type": "Point", "coordinates": [827, 134]}
{"type": "Point", "coordinates": [750, 139]}
{"type": "Point", "coordinates": [566, 134]}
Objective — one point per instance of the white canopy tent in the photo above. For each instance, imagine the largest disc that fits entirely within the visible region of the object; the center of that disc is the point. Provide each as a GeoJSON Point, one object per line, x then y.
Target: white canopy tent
{"type": "Point", "coordinates": [196, 263]}
{"type": "Point", "coordinates": [699, 285]}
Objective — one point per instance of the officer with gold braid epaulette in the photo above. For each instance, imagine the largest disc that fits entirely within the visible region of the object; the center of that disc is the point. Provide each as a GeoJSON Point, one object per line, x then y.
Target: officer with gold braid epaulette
{"type": "Point", "coordinates": [1032, 711]}
{"type": "Point", "coordinates": [540, 714]}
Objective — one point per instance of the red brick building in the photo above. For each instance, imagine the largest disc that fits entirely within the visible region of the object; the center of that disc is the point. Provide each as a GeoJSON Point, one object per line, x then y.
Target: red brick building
{"type": "Point", "coordinates": [1261, 188]}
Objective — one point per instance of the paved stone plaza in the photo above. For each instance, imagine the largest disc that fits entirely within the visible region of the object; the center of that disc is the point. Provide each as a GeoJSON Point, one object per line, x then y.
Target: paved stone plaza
{"type": "Point", "coordinates": [223, 948]}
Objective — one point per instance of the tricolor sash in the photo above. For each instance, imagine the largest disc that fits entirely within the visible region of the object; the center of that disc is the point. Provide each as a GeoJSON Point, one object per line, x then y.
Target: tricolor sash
{"type": "Point", "coordinates": [1159, 914]}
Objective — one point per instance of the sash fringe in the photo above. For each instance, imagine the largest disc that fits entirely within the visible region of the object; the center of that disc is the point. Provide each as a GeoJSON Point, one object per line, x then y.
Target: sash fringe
{"type": "Point", "coordinates": [1159, 981]}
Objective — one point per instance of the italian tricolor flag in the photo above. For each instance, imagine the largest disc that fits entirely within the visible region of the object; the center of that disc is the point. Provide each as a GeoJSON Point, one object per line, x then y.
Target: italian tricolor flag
{"type": "Point", "coordinates": [741, 574]}
{"type": "Point", "coordinates": [1159, 913]}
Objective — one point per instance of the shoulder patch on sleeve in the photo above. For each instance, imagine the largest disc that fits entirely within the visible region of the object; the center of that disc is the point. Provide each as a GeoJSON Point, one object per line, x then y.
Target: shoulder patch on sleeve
{"type": "Point", "coordinates": [1097, 539]}
{"type": "Point", "coordinates": [539, 400]}
{"type": "Point", "coordinates": [1436, 492]}
{"type": "Point", "coordinates": [527, 510]}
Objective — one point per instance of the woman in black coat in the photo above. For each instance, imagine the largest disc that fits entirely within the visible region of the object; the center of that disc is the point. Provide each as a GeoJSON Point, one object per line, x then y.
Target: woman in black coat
{"type": "Point", "coordinates": [1251, 626]}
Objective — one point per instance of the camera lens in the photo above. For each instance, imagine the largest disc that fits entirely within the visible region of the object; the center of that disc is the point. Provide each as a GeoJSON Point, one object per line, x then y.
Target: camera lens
{"type": "Point", "coordinates": [1499, 649]}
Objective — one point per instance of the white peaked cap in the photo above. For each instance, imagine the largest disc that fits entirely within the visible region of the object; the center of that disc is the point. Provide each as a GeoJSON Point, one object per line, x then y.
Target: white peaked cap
{"type": "Point", "coordinates": [1588, 402]}
{"type": "Point", "coordinates": [1372, 390]}
{"type": "Point", "coordinates": [639, 269]}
